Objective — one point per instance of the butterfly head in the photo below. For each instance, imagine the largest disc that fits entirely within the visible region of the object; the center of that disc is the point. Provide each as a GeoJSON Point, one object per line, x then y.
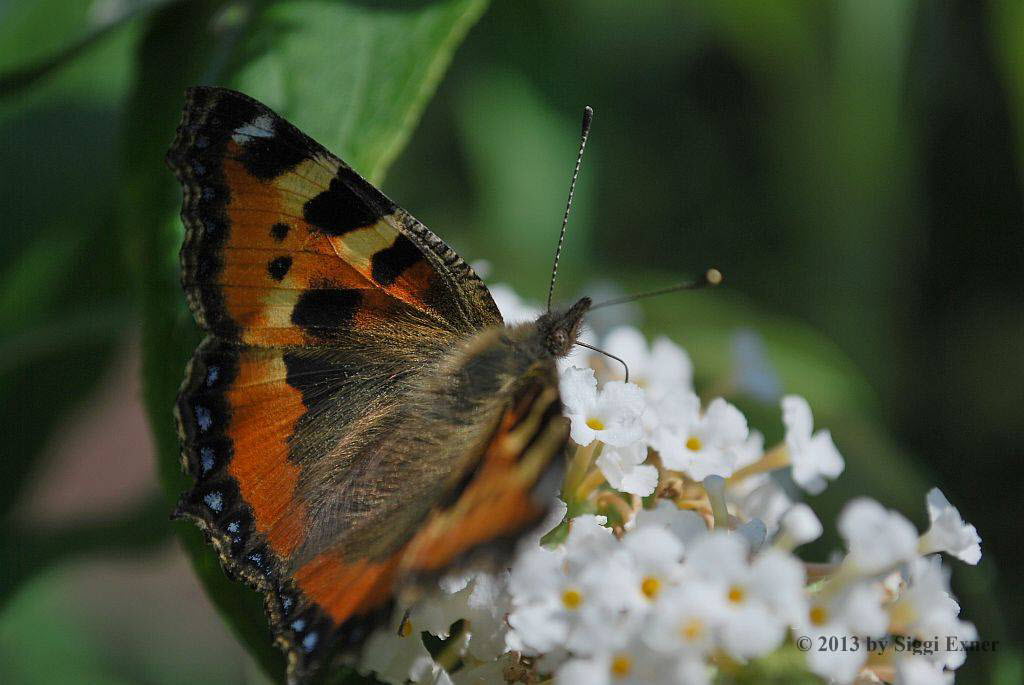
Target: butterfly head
{"type": "Point", "coordinates": [560, 329]}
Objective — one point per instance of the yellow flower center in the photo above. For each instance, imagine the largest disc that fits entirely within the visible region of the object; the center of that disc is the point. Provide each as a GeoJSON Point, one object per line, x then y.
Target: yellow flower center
{"type": "Point", "coordinates": [621, 666]}
{"type": "Point", "coordinates": [405, 630]}
{"type": "Point", "coordinates": [651, 586]}
{"type": "Point", "coordinates": [596, 424]}
{"type": "Point", "coordinates": [693, 443]}
{"type": "Point", "coordinates": [692, 629]}
{"type": "Point", "coordinates": [736, 594]}
{"type": "Point", "coordinates": [818, 615]}
{"type": "Point", "coordinates": [572, 598]}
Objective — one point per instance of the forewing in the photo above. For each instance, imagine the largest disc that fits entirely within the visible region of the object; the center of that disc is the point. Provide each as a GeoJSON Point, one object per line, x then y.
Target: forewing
{"type": "Point", "coordinates": [285, 244]}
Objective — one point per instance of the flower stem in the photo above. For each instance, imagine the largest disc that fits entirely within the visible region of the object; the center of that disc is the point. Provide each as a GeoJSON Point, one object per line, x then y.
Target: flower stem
{"type": "Point", "coordinates": [615, 501]}
{"type": "Point", "coordinates": [591, 482]}
{"type": "Point", "coordinates": [772, 460]}
{"type": "Point", "coordinates": [715, 487]}
{"type": "Point", "coordinates": [579, 464]}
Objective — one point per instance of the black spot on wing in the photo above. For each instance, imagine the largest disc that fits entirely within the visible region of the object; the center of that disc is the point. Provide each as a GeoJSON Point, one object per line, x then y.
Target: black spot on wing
{"type": "Point", "coordinates": [340, 209]}
{"type": "Point", "coordinates": [389, 264]}
{"type": "Point", "coordinates": [313, 375]}
{"type": "Point", "coordinates": [279, 266]}
{"type": "Point", "coordinates": [279, 231]}
{"type": "Point", "coordinates": [266, 158]}
{"type": "Point", "coordinates": [323, 312]}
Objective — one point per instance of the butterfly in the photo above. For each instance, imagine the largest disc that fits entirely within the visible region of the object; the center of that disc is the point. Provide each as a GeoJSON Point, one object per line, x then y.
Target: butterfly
{"type": "Point", "coordinates": [359, 419]}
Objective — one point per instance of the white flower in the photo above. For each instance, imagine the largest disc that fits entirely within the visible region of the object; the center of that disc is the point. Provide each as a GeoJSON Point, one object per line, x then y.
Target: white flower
{"type": "Point", "coordinates": [814, 457]}
{"type": "Point", "coordinates": [426, 672]}
{"type": "Point", "coordinates": [685, 620]}
{"type": "Point", "coordinates": [487, 605]}
{"type": "Point", "coordinates": [856, 610]}
{"type": "Point", "coordinates": [925, 609]}
{"type": "Point", "coordinates": [655, 554]}
{"type": "Point", "coordinates": [754, 531]}
{"type": "Point", "coordinates": [624, 469]}
{"type": "Point", "coordinates": [914, 670]}
{"type": "Point", "coordinates": [555, 516]}
{"type": "Point", "coordinates": [513, 308]}
{"type": "Point", "coordinates": [631, 664]}
{"type": "Point", "coordinates": [396, 655]}
{"type": "Point", "coordinates": [760, 598]}
{"type": "Point", "coordinates": [761, 497]}
{"type": "Point", "coordinates": [836, 665]}
{"type": "Point", "coordinates": [685, 525]}
{"type": "Point", "coordinates": [577, 597]}
{"type": "Point", "coordinates": [751, 450]}
{"type": "Point", "coordinates": [848, 617]}
{"type": "Point", "coordinates": [798, 526]}
{"type": "Point", "coordinates": [699, 444]}
{"type": "Point", "coordinates": [948, 532]}
{"type": "Point", "coordinates": [588, 539]}
{"type": "Point", "coordinates": [481, 599]}
{"type": "Point", "coordinates": [611, 415]}
{"type": "Point", "coordinates": [662, 368]}
{"type": "Point", "coordinates": [693, 671]}
{"type": "Point", "coordinates": [877, 538]}
{"type": "Point", "coordinates": [486, 673]}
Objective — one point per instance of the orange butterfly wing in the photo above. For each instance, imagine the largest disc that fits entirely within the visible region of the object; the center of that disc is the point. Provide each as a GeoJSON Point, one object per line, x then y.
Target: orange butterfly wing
{"type": "Point", "coordinates": [324, 300]}
{"type": "Point", "coordinates": [285, 243]}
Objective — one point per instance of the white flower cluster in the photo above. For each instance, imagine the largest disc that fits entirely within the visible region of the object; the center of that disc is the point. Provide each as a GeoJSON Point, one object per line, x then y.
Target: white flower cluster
{"type": "Point", "coordinates": [670, 557]}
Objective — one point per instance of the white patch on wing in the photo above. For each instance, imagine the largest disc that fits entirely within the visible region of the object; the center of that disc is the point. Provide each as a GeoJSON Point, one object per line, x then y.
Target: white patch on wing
{"type": "Point", "coordinates": [262, 127]}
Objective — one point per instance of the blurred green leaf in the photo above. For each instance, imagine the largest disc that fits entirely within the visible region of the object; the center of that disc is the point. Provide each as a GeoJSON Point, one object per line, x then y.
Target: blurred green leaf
{"type": "Point", "coordinates": [25, 551]}
{"type": "Point", "coordinates": [519, 213]}
{"type": "Point", "coordinates": [63, 282]}
{"type": "Point", "coordinates": [78, 26]}
{"type": "Point", "coordinates": [68, 654]}
{"type": "Point", "coordinates": [785, 666]}
{"type": "Point", "coordinates": [354, 75]}
{"type": "Point", "coordinates": [839, 155]}
{"type": "Point", "coordinates": [1007, 25]}
{"type": "Point", "coordinates": [32, 31]}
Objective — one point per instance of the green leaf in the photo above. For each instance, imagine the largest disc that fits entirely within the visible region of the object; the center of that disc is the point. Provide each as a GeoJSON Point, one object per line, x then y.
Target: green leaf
{"type": "Point", "coordinates": [41, 642]}
{"type": "Point", "coordinates": [355, 76]}
{"type": "Point", "coordinates": [68, 29]}
{"type": "Point", "coordinates": [784, 666]}
{"type": "Point", "coordinates": [24, 551]}
{"type": "Point", "coordinates": [1007, 22]}
{"type": "Point", "coordinates": [63, 282]}
{"type": "Point", "coordinates": [521, 164]}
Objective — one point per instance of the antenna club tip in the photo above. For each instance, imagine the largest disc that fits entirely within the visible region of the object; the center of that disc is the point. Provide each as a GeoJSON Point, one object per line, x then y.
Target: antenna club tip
{"type": "Point", "coordinates": [713, 276]}
{"type": "Point", "coordinates": [588, 116]}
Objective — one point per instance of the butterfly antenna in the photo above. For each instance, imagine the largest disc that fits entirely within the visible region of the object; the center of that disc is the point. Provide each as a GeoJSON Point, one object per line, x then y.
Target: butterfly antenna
{"type": "Point", "coordinates": [588, 116]}
{"type": "Point", "coordinates": [607, 354]}
{"type": "Point", "coordinates": [711, 277]}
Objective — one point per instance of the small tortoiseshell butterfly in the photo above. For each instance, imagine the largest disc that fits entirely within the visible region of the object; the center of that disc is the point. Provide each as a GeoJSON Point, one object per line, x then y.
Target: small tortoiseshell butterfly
{"type": "Point", "coordinates": [359, 419]}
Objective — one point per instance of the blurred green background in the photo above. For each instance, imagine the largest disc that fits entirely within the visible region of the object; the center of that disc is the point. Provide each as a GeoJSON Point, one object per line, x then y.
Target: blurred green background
{"type": "Point", "coordinates": [852, 166]}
